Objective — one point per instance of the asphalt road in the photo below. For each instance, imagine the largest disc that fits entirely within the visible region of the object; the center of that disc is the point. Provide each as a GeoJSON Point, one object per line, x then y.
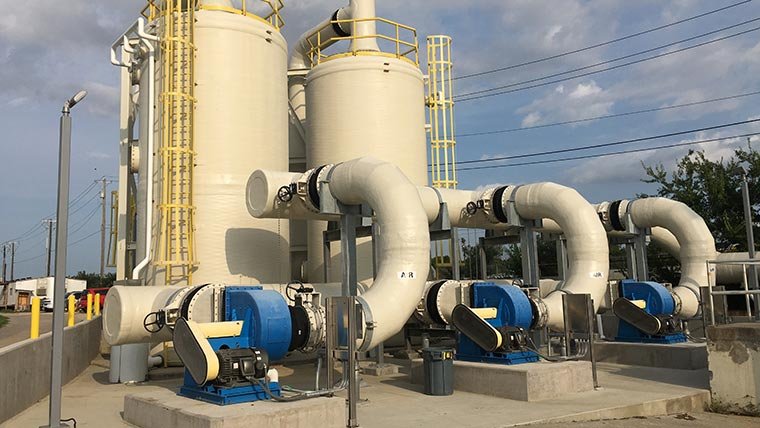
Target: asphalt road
{"type": "Point", "coordinates": [17, 328]}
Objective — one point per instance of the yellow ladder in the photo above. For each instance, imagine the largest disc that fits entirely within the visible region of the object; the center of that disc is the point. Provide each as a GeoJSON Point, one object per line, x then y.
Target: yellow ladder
{"type": "Point", "coordinates": [176, 209]}
{"type": "Point", "coordinates": [440, 103]}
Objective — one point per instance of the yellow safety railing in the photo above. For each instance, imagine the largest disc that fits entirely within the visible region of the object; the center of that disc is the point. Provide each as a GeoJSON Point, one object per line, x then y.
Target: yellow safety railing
{"type": "Point", "coordinates": [242, 7]}
{"type": "Point", "coordinates": [400, 39]}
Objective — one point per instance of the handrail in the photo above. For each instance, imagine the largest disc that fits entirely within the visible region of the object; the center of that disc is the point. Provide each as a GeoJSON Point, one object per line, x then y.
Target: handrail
{"type": "Point", "coordinates": [401, 34]}
{"type": "Point", "coordinates": [273, 18]}
{"type": "Point", "coordinates": [745, 291]}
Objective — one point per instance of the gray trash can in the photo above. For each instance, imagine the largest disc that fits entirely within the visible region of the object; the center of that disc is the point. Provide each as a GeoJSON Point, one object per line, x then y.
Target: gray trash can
{"type": "Point", "coordinates": [438, 364]}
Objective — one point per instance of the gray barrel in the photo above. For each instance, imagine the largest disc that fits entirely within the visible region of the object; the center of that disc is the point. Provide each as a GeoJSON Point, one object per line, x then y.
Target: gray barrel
{"type": "Point", "coordinates": [439, 371]}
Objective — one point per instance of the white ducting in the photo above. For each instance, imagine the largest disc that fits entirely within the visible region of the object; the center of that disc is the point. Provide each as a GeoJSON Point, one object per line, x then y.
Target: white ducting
{"type": "Point", "coordinates": [362, 11]}
{"type": "Point", "coordinates": [125, 310]}
{"type": "Point", "coordinates": [403, 241]}
{"type": "Point", "coordinates": [587, 247]}
{"type": "Point", "coordinates": [696, 244]}
{"type": "Point", "coordinates": [147, 40]}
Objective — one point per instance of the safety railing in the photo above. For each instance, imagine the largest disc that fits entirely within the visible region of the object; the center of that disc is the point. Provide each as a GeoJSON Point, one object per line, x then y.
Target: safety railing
{"type": "Point", "coordinates": [395, 40]}
{"type": "Point", "coordinates": [748, 267]}
{"type": "Point", "coordinates": [270, 14]}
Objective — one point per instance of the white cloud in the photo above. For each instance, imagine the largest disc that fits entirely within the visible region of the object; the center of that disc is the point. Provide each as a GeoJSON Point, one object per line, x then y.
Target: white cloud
{"type": "Point", "coordinates": [585, 99]}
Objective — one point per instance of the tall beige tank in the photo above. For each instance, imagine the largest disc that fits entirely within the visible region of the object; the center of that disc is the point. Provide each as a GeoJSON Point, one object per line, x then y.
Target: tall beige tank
{"type": "Point", "coordinates": [363, 105]}
{"type": "Point", "coordinates": [241, 124]}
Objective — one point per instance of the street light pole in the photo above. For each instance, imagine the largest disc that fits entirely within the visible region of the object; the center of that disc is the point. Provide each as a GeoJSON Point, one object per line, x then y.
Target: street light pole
{"type": "Point", "coordinates": [62, 225]}
{"type": "Point", "coordinates": [750, 234]}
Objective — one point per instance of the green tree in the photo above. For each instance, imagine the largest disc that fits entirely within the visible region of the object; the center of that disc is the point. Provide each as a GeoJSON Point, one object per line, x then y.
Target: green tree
{"type": "Point", "coordinates": [713, 190]}
{"type": "Point", "coordinates": [94, 280]}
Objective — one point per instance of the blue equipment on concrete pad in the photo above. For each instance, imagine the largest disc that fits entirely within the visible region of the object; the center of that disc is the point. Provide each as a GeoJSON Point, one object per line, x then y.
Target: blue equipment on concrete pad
{"type": "Point", "coordinates": [229, 362]}
{"type": "Point", "coordinates": [645, 310]}
{"type": "Point", "coordinates": [493, 328]}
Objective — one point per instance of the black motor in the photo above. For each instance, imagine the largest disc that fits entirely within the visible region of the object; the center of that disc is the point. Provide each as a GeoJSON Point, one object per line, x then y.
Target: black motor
{"type": "Point", "coordinates": [240, 366]}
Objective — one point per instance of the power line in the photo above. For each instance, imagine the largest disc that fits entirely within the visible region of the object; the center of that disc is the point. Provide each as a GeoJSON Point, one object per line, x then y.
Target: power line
{"type": "Point", "coordinates": [69, 245]}
{"type": "Point", "coordinates": [622, 152]}
{"type": "Point", "coordinates": [607, 116]}
{"type": "Point", "coordinates": [615, 143]}
{"type": "Point", "coordinates": [615, 67]}
{"type": "Point", "coordinates": [598, 45]}
{"type": "Point", "coordinates": [610, 61]}
{"type": "Point", "coordinates": [39, 224]}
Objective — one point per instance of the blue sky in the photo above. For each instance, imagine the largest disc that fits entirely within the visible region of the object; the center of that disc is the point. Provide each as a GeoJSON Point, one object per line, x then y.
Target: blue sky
{"type": "Point", "coordinates": [50, 49]}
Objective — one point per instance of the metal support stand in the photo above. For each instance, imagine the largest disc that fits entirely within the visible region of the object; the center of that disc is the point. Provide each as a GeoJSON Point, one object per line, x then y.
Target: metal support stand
{"type": "Point", "coordinates": [579, 315]}
{"type": "Point", "coordinates": [529, 250]}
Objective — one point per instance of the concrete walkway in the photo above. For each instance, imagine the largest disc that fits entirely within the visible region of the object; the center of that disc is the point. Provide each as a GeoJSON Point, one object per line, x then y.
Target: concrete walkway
{"type": "Point", "coordinates": [17, 328]}
{"type": "Point", "coordinates": [393, 401]}
{"type": "Point", "coordinates": [683, 420]}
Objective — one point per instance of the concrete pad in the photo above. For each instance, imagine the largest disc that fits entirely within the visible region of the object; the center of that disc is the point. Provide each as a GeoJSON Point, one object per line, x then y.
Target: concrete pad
{"type": "Point", "coordinates": [392, 401]}
{"type": "Point", "coordinates": [524, 382]}
{"type": "Point", "coordinates": [165, 409]}
{"type": "Point", "coordinates": [375, 369]}
{"type": "Point", "coordinates": [734, 357]}
{"type": "Point", "coordinates": [680, 356]}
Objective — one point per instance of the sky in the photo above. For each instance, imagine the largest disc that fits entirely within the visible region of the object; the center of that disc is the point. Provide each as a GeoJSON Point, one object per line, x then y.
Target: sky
{"type": "Point", "coordinates": [51, 49]}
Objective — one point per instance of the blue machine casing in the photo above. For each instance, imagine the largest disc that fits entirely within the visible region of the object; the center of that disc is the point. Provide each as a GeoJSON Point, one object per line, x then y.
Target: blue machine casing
{"type": "Point", "coordinates": [513, 309]}
{"type": "Point", "coordinates": [266, 325]}
{"type": "Point", "coordinates": [658, 302]}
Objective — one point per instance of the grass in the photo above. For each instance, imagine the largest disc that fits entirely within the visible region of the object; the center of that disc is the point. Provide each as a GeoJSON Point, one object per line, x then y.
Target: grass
{"type": "Point", "coordinates": [3, 320]}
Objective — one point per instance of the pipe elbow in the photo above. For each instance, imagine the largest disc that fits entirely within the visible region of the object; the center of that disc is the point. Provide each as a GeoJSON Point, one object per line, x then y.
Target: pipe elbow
{"type": "Point", "coordinates": [403, 244]}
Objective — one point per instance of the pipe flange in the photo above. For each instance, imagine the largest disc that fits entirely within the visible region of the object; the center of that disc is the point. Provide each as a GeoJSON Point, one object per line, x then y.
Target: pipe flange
{"type": "Point", "coordinates": [450, 294]}
{"type": "Point", "coordinates": [490, 203]}
{"type": "Point", "coordinates": [204, 304]}
{"type": "Point", "coordinates": [678, 303]}
{"type": "Point", "coordinates": [309, 186]}
{"type": "Point", "coordinates": [317, 332]}
{"type": "Point", "coordinates": [540, 312]}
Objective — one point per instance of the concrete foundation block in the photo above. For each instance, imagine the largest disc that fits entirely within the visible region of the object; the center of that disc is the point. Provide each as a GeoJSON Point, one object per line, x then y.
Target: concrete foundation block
{"type": "Point", "coordinates": [375, 369]}
{"type": "Point", "coordinates": [165, 409]}
{"type": "Point", "coordinates": [680, 356]}
{"type": "Point", "coordinates": [734, 362]}
{"type": "Point", "coordinates": [524, 382]}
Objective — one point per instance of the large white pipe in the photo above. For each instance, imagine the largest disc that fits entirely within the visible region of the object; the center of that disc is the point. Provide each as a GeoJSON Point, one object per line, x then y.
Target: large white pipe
{"type": "Point", "coordinates": [146, 39]}
{"type": "Point", "coordinates": [587, 247]}
{"type": "Point", "coordinates": [324, 35]}
{"type": "Point", "coordinates": [696, 244]}
{"type": "Point", "coordinates": [725, 274]}
{"type": "Point", "coordinates": [402, 242]}
{"type": "Point", "coordinates": [125, 310]}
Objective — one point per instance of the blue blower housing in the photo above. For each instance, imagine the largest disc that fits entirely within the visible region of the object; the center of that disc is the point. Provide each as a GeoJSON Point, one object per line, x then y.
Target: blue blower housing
{"type": "Point", "coordinates": [270, 322]}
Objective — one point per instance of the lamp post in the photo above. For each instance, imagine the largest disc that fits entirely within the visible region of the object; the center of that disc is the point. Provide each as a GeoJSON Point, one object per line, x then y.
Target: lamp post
{"type": "Point", "coordinates": [750, 234]}
{"type": "Point", "coordinates": [62, 222]}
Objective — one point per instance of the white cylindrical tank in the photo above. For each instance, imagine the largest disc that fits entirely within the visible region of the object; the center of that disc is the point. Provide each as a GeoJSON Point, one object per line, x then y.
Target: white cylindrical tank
{"type": "Point", "coordinates": [363, 105]}
{"type": "Point", "coordinates": [240, 124]}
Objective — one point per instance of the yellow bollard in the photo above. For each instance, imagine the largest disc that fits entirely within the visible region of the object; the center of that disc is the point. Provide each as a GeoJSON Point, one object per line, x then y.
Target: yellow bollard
{"type": "Point", "coordinates": [97, 304]}
{"type": "Point", "coordinates": [89, 306]}
{"type": "Point", "coordinates": [35, 327]}
{"type": "Point", "coordinates": [72, 309]}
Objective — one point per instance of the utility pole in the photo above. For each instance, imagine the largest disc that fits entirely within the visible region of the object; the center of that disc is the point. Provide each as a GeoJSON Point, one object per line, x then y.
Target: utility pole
{"type": "Point", "coordinates": [103, 228]}
{"type": "Point", "coordinates": [5, 246]}
{"type": "Point", "coordinates": [13, 257]}
{"type": "Point", "coordinates": [49, 243]}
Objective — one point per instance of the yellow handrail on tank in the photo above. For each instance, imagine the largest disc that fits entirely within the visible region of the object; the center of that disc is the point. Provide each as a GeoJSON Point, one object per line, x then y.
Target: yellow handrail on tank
{"type": "Point", "coordinates": [151, 11]}
{"type": "Point", "coordinates": [176, 252]}
{"type": "Point", "coordinates": [402, 40]}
